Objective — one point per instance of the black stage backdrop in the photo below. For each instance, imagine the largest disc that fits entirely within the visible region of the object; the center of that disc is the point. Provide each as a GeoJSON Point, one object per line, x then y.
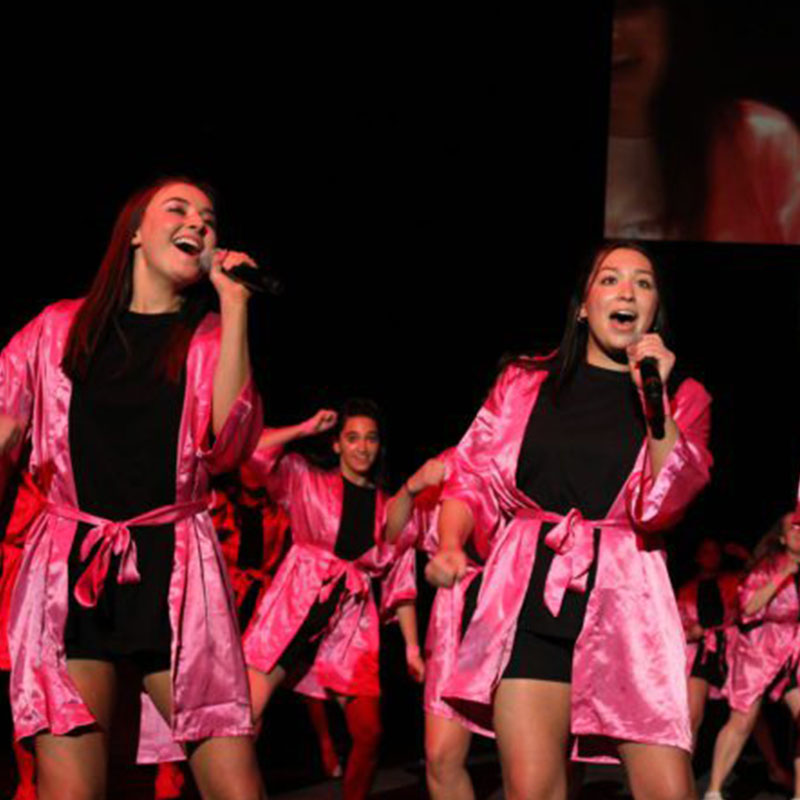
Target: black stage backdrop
{"type": "Point", "coordinates": [424, 221]}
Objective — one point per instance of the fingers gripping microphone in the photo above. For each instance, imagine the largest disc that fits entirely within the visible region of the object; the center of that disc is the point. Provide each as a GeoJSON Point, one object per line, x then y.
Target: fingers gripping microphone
{"type": "Point", "coordinates": [653, 391]}
{"type": "Point", "coordinates": [254, 278]}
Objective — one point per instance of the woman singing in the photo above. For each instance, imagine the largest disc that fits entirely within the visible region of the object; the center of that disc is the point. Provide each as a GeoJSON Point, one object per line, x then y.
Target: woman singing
{"type": "Point", "coordinates": [764, 657]}
{"type": "Point", "coordinates": [318, 622]}
{"type": "Point", "coordinates": [576, 631]}
{"type": "Point", "coordinates": [132, 397]}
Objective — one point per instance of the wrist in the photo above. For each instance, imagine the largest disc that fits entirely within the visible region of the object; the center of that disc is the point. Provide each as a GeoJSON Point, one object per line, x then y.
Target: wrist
{"type": "Point", "coordinates": [412, 651]}
{"type": "Point", "coordinates": [412, 493]}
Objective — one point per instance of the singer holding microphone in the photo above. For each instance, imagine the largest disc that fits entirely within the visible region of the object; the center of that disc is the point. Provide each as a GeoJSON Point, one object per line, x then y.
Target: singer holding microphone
{"type": "Point", "coordinates": [131, 398]}
{"type": "Point", "coordinates": [576, 644]}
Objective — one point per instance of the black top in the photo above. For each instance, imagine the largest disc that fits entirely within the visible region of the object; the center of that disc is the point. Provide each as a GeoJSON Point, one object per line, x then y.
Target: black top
{"type": "Point", "coordinates": [124, 421]}
{"type": "Point", "coordinates": [710, 611]}
{"type": "Point", "coordinates": [357, 527]}
{"type": "Point", "coordinates": [576, 454]}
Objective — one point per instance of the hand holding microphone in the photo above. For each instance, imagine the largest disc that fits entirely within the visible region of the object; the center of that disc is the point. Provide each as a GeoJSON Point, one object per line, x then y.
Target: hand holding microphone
{"type": "Point", "coordinates": [651, 363]}
{"type": "Point", "coordinates": [241, 269]}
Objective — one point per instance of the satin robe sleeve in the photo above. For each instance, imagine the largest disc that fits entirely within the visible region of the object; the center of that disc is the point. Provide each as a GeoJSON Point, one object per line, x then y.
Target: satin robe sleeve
{"type": "Point", "coordinates": [399, 584]}
{"type": "Point", "coordinates": [18, 379]}
{"type": "Point", "coordinates": [758, 577]}
{"type": "Point", "coordinates": [239, 434]}
{"type": "Point", "coordinates": [654, 505]}
{"type": "Point", "coordinates": [279, 472]}
{"type": "Point", "coordinates": [471, 474]}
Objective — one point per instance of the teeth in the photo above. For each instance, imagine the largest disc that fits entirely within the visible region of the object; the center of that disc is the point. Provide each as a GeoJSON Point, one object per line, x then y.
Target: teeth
{"type": "Point", "coordinates": [187, 245]}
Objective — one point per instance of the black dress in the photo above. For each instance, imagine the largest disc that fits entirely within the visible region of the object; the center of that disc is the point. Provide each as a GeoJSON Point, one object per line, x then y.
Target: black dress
{"type": "Point", "coordinates": [124, 421]}
{"type": "Point", "coordinates": [356, 535]}
{"type": "Point", "coordinates": [576, 453]}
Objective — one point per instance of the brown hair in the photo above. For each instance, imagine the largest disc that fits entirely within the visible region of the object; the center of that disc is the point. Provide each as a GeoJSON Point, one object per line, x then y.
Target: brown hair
{"type": "Point", "coordinates": [110, 294]}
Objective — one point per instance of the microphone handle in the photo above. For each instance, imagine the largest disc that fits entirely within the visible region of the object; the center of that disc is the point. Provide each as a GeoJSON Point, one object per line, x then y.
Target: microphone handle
{"type": "Point", "coordinates": [257, 280]}
{"type": "Point", "coordinates": [653, 391]}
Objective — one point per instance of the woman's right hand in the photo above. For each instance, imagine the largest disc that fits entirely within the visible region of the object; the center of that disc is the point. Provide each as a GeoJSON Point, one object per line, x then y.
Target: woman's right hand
{"type": "Point", "coordinates": [446, 567]}
{"type": "Point", "coordinates": [10, 434]}
{"type": "Point", "coordinates": [322, 421]}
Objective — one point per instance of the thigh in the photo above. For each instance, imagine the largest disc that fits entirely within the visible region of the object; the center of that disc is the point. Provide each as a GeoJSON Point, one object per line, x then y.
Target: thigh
{"type": "Point", "coordinates": [446, 740]}
{"type": "Point", "coordinates": [76, 764]}
{"type": "Point", "coordinates": [532, 723]}
{"type": "Point", "coordinates": [658, 771]}
{"type": "Point", "coordinates": [363, 717]}
{"type": "Point", "coordinates": [226, 766]}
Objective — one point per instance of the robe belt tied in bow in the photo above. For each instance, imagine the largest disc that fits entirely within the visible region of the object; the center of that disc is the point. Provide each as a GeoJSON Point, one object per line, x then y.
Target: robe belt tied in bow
{"type": "Point", "coordinates": [115, 538]}
{"type": "Point", "coordinates": [572, 539]}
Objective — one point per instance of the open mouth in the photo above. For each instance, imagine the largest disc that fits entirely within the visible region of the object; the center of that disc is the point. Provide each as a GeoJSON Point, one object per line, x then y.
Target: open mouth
{"type": "Point", "coordinates": [188, 245]}
{"type": "Point", "coordinates": [624, 319]}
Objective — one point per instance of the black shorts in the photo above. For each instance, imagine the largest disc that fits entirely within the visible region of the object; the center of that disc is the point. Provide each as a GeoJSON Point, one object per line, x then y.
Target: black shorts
{"type": "Point", "coordinates": [543, 658]}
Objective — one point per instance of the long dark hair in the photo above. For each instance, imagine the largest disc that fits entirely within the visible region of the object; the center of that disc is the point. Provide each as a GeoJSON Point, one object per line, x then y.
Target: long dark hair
{"type": "Point", "coordinates": [110, 294]}
{"type": "Point", "coordinates": [572, 349]}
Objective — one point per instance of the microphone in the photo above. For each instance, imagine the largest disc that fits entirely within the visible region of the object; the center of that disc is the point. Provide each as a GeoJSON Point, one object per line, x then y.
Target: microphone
{"type": "Point", "coordinates": [254, 278]}
{"type": "Point", "coordinates": [653, 391]}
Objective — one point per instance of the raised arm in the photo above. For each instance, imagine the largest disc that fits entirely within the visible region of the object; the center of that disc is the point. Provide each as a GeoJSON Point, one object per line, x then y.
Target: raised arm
{"type": "Point", "coordinates": [401, 506]}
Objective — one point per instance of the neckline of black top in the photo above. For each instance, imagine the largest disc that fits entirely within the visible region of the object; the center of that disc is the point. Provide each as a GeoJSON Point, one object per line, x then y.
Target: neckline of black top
{"type": "Point", "coordinates": [594, 371]}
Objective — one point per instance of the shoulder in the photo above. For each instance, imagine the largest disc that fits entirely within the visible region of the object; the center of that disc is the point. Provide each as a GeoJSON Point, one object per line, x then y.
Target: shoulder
{"type": "Point", "coordinates": [762, 132]}
{"type": "Point", "coordinates": [525, 372]}
{"type": "Point", "coordinates": [53, 318]}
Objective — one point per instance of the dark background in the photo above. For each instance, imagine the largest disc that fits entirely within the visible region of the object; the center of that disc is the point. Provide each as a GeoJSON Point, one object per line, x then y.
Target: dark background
{"type": "Point", "coordinates": [426, 217]}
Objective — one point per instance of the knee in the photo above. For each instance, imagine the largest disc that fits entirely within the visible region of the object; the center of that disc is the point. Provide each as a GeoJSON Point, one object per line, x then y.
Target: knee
{"type": "Point", "coordinates": [442, 763]}
{"type": "Point", "coordinates": [522, 783]}
{"type": "Point", "coordinates": [242, 787]}
{"type": "Point", "coordinates": [739, 725]}
{"type": "Point", "coordinates": [366, 732]}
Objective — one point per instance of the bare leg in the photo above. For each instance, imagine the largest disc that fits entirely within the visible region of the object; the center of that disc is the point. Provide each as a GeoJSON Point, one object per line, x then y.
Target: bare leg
{"type": "Point", "coordinates": [658, 772]}
{"type": "Point", "coordinates": [224, 767]}
{"type": "Point", "coordinates": [319, 720]}
{"type": "Point", "coordinates": [763, 738]}
{"type": "Point", "coordinates": [74, 767]}
{"type": "Point", "coordinates": [363, 717]}
{"type": "Point", "coordinates": [698, 694]}
{"type": "Point", "coordinates": [729, 744]}
{"type": "Point", "coordinates": [262, 687]}
{"type": "Point", "coordinates": [446, 748]}
{"type": "Point", "coordinates": [531, 719]}
{"type": "Point", "coordinates": [792, 699]}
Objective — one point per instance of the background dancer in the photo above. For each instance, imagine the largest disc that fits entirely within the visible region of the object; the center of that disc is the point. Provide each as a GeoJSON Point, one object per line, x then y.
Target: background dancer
{"type": "Point", "coordinates": [558, 467]}
{"type": "Point", "coordinates": [447, 734]}
{"type": "Point", "coordinates": [121, 382]}
{"type": "Point", "coordinates": [764, 657]}
{"type": "Point", "coordinates": [318, 622]}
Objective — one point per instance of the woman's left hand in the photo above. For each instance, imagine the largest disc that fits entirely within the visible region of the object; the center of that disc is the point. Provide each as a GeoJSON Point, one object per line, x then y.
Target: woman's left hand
{"type": "Point", "coordinates": [229, 290]}
{"type": "Point", "coordinates": [650, 346]}
{"type": "Point", "coordinates": [416, 665]}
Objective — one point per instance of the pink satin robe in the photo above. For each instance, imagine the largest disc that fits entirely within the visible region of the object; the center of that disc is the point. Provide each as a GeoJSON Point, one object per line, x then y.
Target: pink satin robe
{"type": "Point", "coordinates": [754, 183]}
{"type": "Point", "coordinates": [209, 683]}
{"type": "Point", "coordinates": [444, 625]}
{"type": "Point", "coordinates": [759, 654]}
{"type": "Point", "coordinates": [687, 608]}
{"type": "Point", "coordinates": [346, 662]}
{"type": "Point", "coordinates": [628, 680]}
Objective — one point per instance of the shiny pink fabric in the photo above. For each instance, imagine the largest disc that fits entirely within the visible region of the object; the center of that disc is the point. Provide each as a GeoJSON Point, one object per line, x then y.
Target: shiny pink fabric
{"type": "Point", "coordinates": [759, 655]}
{"type": "Point", "coordinates": [754, 185]}
{"type": "Point", "coordinates": [346, 662]}
{"type": "Point", "coordinates": [209, 684]}
{"type": "Point", "coordinates": [444, 624]}
{"type": "Point", "coordinates": [728, 583]}
{"type": "Point", "coordinates": [628, 678]}
{"type": "Point", "coordinates": [27, 506]}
